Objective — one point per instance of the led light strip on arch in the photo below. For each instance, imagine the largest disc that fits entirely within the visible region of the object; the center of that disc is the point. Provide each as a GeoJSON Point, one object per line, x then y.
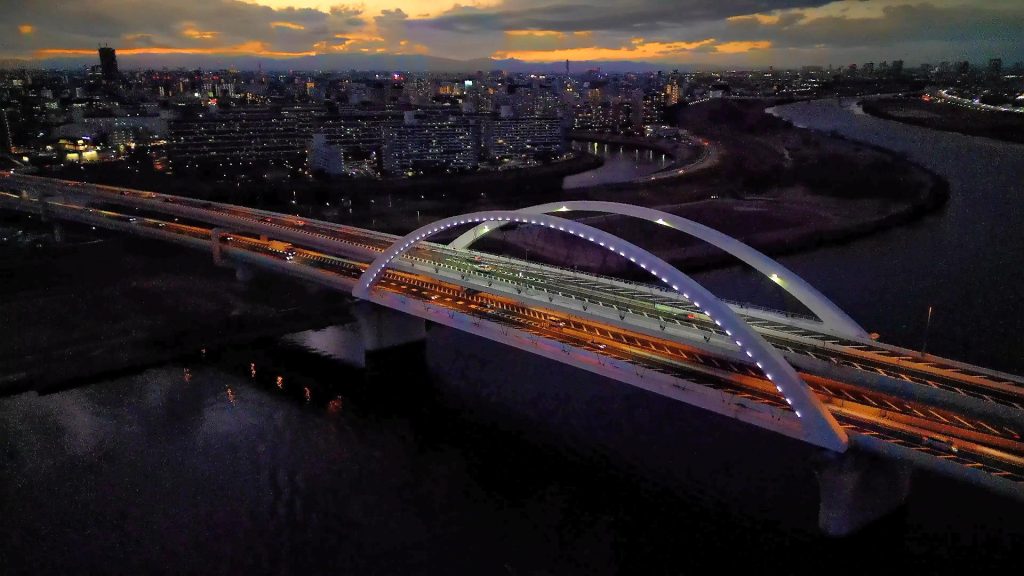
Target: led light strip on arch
{"type": "Point", "coordinates": [823, 429]}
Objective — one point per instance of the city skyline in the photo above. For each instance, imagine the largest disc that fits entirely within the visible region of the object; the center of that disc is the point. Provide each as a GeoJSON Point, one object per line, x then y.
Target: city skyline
{"type": "Point", "coordinates": [473, 35]}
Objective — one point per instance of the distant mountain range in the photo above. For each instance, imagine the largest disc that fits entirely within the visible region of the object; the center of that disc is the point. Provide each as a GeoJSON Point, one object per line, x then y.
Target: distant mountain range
{"type": "Point", "coordinates": [337, 62]}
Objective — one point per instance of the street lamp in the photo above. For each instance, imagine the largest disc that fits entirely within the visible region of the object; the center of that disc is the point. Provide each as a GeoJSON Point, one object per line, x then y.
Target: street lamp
{"type": "Point", "coordinates": [927, 325]}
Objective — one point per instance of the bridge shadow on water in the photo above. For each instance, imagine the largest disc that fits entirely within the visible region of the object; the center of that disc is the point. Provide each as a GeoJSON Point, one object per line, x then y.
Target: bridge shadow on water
{"type": "Point", "coordinates": [457, 456]}
{"type": "Point", "coordinates": [592, 476]}
{"type": "Point", "coordinates": [686, 489]}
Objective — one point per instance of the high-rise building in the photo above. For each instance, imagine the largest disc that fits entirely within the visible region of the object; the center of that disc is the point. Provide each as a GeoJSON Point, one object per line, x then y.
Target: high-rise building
{"type": "Point", "coordinates": [242, 135]}
{"type": "Point", "coordinates": [507, 136]}
{"type": "Point", "coordinates": [108, 63]}
{"type": "Point", "coordinates": [5, 132]}
{"type": "Point", "coordinates": [652, 108]}
{"type": "Point", "coordinates": [435, 144]}
{"type": "Point", "coordinates": [672, 93]}
{"type": "Point", "coordinates": [995, 68]}
{"type": "Point", "coordinates": [323, 157]}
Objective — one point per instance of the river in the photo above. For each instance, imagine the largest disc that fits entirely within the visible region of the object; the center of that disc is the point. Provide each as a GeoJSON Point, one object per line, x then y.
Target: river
{"type": "Point", "coordinates": [466, 457]}
{"type": "Point", "coordinates": [621, 164]}
{"type": "Point", "coordinates": [964, 261]}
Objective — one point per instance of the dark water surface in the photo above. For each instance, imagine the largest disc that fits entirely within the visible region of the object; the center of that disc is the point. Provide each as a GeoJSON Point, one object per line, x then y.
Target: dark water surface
{"type": "Point", "coordinates": [467, 457]}
{"type": "Point", "coordinates": [621, 164]}
{"type": "Point", "coordinates": [966, 261]}
{"type": "Point", "coordinates": [462, 458]}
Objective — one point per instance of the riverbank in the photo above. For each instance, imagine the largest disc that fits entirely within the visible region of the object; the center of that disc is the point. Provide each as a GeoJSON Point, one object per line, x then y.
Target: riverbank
{"type": "Point", "coordinates": [352, 201]}
{"type": "Point", "coordinates": [776, 187]}
{"type": "Point", "coordinates": [89, 311]}
{"type": "Point", "coordinates": [937, 114]}
{"type": "Point", "coordinates": [682, 152]}
{"type": "Point", "coordinates": [533, 179]}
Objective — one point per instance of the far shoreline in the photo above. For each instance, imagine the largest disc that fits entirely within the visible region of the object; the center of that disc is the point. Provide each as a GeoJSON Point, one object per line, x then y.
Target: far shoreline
{"type": "Point", "coordinates": [999, 126]}
{"type": "Point", "coordinates": [778, 218]}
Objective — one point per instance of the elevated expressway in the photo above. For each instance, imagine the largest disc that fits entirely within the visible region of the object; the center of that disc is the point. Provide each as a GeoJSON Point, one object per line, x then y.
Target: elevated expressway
{"type": "Point", "coordinates": [818, 379]}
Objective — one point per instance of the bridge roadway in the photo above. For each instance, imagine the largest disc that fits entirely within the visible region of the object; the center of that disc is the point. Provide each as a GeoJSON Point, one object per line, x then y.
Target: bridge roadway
{"type": "Point", "coordinates": [803, 339]}
{"type": "Point", "coordinates": [685, 344]}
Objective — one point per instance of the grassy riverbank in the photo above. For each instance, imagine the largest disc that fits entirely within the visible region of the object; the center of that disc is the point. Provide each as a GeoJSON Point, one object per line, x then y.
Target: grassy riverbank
{"type": "Point", "coordinates": [938, 115]}
{"type": "Point", "coordinates": [777, 187]}
{"type": "Point", "coordinates": [86, 311]}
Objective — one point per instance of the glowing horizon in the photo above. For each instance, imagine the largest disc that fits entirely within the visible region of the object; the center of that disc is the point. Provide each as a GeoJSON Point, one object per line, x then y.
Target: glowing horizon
{"type": "Point", "coordinates": [642, 31]}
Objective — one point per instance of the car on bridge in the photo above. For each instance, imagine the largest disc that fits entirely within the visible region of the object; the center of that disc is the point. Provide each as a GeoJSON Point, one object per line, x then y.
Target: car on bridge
{"type": "Point", "coordinates": [282, 249]}
{"type": "Point", "coordinates": [940, 444]}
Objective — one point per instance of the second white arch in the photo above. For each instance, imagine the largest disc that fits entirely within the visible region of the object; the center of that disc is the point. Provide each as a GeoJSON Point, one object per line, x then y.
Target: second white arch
{"type": "Point", "coordinates": [830, 315]}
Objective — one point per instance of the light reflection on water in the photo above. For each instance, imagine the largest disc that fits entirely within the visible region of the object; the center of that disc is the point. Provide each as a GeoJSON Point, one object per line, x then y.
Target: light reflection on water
{"type": "Point", "coordinates": [225, 473]}
{"type": "Point", "coordinates": [342, 343]}
{"type": "Point", "coordinates": [621, 164]}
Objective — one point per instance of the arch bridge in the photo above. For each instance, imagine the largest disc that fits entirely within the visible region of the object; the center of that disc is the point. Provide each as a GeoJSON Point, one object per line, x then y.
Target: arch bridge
{"type": "Point", "coordinates": [819, 380]}
{"type": "Point", "coordinates": [819, 425]}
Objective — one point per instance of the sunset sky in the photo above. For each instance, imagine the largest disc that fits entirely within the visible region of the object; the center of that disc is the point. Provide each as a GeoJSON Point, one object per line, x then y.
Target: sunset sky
{"type": "Point", "coordinates": [680, 32]}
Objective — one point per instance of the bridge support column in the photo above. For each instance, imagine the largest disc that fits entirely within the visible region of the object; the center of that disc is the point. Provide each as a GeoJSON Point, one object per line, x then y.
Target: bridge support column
{"type": "Point", "coordinates": [215, 240]}
{"type": "Point", "coordinates": [857, 489]}
{"type": "Point", "coordinates": [383, 328]}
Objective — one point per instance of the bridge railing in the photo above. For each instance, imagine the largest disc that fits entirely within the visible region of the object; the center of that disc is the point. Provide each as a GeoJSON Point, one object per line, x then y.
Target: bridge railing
{"type": "Point", "coordinates": [619, 302]}
{"type": "Point", "coordinates": [766, 309]}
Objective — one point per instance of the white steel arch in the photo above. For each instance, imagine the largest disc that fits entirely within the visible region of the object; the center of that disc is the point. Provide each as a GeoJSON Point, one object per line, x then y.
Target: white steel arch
{"type": "Point", "coordinates": [821, 427]}
{"type": "Point", "coordinates": [831, 315]}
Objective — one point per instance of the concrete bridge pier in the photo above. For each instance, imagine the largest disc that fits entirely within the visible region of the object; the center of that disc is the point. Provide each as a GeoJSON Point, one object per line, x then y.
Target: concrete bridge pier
{"type": "Point", "coordinates": [382, 328]}
{"type": "Point", "coordinates": [215, 239]}
{"type": "Point", "coordinates": [858, 489]}
{"type": "Point", "coordinates": [243, 273]}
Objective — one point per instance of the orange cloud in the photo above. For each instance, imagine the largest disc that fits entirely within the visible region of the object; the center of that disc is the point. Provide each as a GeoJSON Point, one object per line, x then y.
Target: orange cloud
{"type": "Point", "coordinates": [359, 37]}
{"type": "Point", "coordinates": [737, 47]}
{"type": "Point", "coordinates": [536, 33]}
{"type": "Point", "coordinates": [253, 48]}
{"type": "Point", "coordinates": [199, 34]}
{"type": "Point", "coordinates": [419, 49]}
{"type": "Point", "coordinates": [350, 41]}
{"type": "Point", "coordinates": [760, 18]}
{"type": "Point", "coordinates": [638, 49]}
{"type": "Point", "coordinates": [288, 25]}
{"type": "Point", "coordinates": [26, 28]}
